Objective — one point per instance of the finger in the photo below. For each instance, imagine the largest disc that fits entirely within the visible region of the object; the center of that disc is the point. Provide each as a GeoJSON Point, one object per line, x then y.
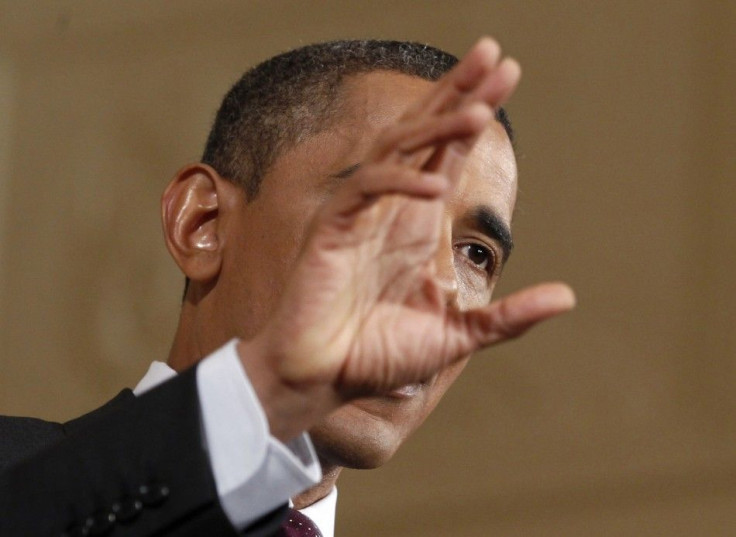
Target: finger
{"type": "Point", "coordinates": [498, 87]}
{"type": "Point", "coordinates": [371, 182]}
{"type": "Point", "coordinates": [513, 315]}
{"type": "Point", "coordinates": [495, 90]}
{"type": "Point", "coordinates": [449, 159]}
{"type": "Point", "coordinates": [477, 62]}
{"type": "Point", "coordinates": [404, 142]}
{"type": "Point", "coordinates": [480, 60]}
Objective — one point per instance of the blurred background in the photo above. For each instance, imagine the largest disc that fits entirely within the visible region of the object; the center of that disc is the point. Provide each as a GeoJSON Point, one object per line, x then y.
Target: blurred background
{"type": "Point", "coordinates": [619, 419]}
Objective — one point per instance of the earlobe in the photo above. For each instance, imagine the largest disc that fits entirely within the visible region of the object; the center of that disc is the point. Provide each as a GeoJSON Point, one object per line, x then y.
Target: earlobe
{"type": "Point", "coordinates": [190, 213]}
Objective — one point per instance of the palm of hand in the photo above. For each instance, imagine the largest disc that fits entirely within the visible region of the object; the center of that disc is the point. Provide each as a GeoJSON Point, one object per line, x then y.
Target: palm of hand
{"type": "Point", "coordinates": [376, 317]}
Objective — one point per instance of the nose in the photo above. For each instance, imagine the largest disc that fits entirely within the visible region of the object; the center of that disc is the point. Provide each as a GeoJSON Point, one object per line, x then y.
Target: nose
{"type": "Point", "coordinates": [445, 275]}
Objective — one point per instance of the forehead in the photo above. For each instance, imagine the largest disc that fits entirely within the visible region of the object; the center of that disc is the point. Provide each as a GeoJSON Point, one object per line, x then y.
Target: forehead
{"type": "Point", "coordinates": [490, 172]}
{"type": "Point", "coordinates": [371, 102]}
{"type": "Point", "coordinates": [366, 105]}
{"type": "Point", "coordinates": [379, 97]}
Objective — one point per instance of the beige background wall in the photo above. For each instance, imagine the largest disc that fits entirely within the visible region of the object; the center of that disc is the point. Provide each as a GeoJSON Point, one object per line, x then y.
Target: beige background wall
{"type": "Point", "coordinates": [617, 420]}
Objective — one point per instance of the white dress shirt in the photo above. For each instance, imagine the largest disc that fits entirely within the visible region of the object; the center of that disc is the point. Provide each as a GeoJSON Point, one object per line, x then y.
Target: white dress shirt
{"type": "Point", "coordinates": [254, 472]}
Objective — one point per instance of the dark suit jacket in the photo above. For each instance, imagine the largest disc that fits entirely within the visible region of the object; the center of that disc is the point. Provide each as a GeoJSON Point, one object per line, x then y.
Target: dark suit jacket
{"type": "Point", "coordinates": [135, 467]}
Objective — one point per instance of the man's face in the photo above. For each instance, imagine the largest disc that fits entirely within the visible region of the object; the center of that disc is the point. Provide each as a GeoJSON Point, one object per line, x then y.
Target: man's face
{"type": "Point", "coordinates": [266, 235]}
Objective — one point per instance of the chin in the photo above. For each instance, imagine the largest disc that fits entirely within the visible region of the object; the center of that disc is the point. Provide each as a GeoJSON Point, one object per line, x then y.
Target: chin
{"type": "Point", "coordinates": [351, 439]}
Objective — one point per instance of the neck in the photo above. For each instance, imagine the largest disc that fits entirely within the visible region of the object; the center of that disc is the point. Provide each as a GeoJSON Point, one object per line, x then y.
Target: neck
{"type": "Point", "coordinates": [181, 356]}
{"type": "Point", "coordinates": [187, 348]}
{"type": "Point", "coordinates": [320, 490]}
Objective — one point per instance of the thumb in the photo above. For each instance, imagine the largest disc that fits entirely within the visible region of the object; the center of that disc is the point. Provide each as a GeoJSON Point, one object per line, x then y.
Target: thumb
{"type": "Point", "coordinates": [514, 314]}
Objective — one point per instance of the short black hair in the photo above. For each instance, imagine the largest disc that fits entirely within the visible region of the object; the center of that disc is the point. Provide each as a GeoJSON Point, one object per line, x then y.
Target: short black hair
{"type": "Point", "coordinates": [289, 97]}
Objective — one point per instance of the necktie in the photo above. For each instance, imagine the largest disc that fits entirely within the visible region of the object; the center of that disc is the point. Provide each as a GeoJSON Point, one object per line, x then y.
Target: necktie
{"type": "Point", "coordinates": [299, 525]}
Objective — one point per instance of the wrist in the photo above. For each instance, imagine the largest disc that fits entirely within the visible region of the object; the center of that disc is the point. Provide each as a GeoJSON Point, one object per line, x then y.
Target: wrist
{"type": "Point", "coordinates": [290, 408]}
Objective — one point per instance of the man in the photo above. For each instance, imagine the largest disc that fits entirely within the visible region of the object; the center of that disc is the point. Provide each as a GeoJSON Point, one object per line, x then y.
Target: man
{"type": "Point", "coordinates": [348, 224]}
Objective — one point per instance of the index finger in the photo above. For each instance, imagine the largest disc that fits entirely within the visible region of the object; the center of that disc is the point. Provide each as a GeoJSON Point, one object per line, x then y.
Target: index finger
{"type": "Point", "coordinates": [465, 77]}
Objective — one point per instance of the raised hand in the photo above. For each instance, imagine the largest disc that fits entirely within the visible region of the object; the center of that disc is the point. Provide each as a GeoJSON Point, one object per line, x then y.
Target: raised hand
{"type": "Point", "coordinates": [364, 310]}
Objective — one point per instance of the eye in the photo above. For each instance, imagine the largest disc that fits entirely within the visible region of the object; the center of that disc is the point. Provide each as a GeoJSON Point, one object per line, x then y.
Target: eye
{"type": "Point", "coordinates": [479, 255]}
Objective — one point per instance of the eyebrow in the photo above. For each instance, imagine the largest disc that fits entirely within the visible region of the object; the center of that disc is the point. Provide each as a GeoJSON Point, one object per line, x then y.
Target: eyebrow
{"type": "Point", "coordinates": [492, 225]}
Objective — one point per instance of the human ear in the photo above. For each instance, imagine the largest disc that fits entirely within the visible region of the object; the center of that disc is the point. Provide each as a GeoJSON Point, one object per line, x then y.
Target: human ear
{"type": "Point", "coordinates": [191, 208]}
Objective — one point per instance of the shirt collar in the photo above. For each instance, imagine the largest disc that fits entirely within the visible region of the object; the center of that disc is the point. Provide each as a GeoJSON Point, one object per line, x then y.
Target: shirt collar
{"type": "Point", "coordinates": [322, 513]}
{"type": "Point", "coordinates": [157, 373]}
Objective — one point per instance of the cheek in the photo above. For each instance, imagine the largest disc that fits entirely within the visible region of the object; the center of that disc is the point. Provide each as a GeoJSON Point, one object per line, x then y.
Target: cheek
{"type": "Point", "coordinates": [474, 290]}
{"type": "Point", "coordinates": [448, 375]}
{"type": "Point", "coordinates": [443, 382]}
{"type": "Point", "coordinates": [270, 245]}
{"type": "Point", "coordinates": [253, 277]}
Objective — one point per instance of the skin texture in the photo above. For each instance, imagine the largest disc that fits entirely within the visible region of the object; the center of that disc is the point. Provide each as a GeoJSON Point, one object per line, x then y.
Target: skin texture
{"type": "Point", "coordinates": [366, 432]}
{"type": "Point", "coordinates": [347, 283]}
